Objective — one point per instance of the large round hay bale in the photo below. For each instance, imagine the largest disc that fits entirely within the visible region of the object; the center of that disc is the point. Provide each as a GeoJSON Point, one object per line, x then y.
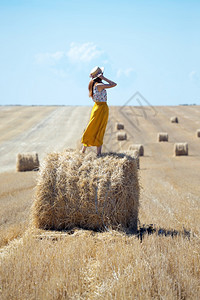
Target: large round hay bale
{"type": "Point", "coordinates": [180, 149]}
{"type": "Point", "coordinates": [162, 137]}
{"type": "Point", "coordinates": [86, 191]}
{"type": "Point", "coordinates": [174, 119]}
{"type": "Point", "coordinates": [119, 126]}
{"type": "Point", "coordinates": [27, 162]}
{"type": "Point", "coordinates": [121, 136]}
{"type": "Point", "coordinates": [138, 147]}
{"type": "Point", "coordinates": [198, 133]}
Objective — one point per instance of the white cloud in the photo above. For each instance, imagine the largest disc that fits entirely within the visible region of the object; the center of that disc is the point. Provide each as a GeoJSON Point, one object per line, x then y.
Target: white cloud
{"type": "Point", "coordinates": [49, 58]}
{"type": "Point", "coordinates": [60, 63]}
{"type": "Point", "coordinates": [83, 52]}
{"type": "Point", "coordinates": [124, 72]}
{"type": "Point", "coordinates": [194, 76]}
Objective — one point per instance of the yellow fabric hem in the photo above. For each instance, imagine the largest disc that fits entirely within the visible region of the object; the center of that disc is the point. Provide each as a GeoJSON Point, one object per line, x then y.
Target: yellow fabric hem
{"type": "Point", "coordinates": [94, 133]}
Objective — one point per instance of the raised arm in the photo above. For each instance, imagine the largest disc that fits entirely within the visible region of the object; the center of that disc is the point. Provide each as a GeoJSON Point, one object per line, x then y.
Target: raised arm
{"type": "Point", "coordinates": [108, 85]}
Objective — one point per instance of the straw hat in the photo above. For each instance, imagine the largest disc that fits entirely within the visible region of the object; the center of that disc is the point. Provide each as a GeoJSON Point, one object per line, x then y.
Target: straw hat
{"type": "Point", "coordinates": [96, 71]}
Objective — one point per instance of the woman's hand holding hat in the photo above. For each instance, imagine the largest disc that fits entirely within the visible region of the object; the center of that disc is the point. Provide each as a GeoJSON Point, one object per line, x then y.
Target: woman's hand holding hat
{"type": "Point", "coordinates": [100, 76]}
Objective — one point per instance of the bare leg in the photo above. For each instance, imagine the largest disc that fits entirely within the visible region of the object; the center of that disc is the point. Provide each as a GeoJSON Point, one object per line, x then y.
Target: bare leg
{"type": "Point", "coordinates": [99, 150]}
{"type": "Point", "coordinates": [83, 149]}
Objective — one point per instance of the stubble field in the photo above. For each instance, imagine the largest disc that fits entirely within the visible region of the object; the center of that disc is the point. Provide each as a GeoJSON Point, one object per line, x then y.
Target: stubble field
{"type": "Point", "coordinates": [161, 261]}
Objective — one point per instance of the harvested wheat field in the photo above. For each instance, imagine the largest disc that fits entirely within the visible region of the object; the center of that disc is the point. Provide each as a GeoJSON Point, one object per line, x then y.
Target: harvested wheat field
{"type": "Point", "coordinates": [161, 260]}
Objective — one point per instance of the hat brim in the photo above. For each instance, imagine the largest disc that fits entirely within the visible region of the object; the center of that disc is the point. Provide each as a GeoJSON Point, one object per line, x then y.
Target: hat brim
{"type": "Point", "coordinates": [102, 70]}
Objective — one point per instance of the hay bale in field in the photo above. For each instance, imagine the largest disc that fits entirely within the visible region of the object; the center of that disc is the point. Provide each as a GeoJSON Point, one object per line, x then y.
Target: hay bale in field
{"type": "Point", "coordinates": [174, 120]}
{"type": "Point", "coordinates": [138, 147]}
{"type": "Point", "coordinates": [27, 162]}
{"type": "Point", "coordinates": [86, 191]}
{"type": "Point", "coordinates": [121, 136]}
{"type": "Point", "coordinates": [119, 126]}
{"type": "Point", "coordinates": [198, 133]}
{"type": "Point", "coordinates": [162, 137]}
{"type": "Point", "coordinates": [180, 149]}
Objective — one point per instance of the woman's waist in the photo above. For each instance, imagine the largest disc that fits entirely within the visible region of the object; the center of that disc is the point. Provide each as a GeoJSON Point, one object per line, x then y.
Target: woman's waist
{"type": "Point", "coordinates": [101, 102]}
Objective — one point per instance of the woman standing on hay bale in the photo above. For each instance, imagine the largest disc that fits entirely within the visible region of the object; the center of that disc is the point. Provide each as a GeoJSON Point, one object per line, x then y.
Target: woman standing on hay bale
{"type": "Point", "coordinates": [94, 133]}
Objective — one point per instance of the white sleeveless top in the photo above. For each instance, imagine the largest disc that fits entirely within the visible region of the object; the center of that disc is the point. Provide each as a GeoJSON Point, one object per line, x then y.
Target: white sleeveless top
{"type": "Point", "coordinates": [99, 96]}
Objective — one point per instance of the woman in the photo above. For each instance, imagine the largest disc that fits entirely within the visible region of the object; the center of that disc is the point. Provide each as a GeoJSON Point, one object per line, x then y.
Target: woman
{"type": "Point", "coordinates": [94, 133]}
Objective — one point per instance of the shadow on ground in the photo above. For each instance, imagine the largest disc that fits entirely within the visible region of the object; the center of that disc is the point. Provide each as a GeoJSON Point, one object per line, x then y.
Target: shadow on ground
{"type": "Point", "coordinates": [141, 232]}
{"type": "Point", "coordinates": [152, 229]}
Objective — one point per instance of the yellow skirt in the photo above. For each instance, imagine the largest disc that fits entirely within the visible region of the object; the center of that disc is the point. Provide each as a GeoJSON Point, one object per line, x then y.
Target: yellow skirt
{"type": "Point", "coordinates": [94, 133]}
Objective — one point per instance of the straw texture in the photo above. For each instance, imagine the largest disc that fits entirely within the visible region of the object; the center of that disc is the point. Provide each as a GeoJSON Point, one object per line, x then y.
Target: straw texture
{"type": "Point", "coordinates": [162, 137]}
{"type": "Point", "coordinates": [135, 155]}
{"type": "Point", "coordinates": [86, 191]}
{"type": "Point", "coordinates": [174, 119]}
{"type": "Point", "coordinates": [138, 147]}
{"type": "Point", "coordinates": [121, 136]}
{"type": "Point", "coordinates": [119, 126]}
{"type": "Point", "coordinates": [180, 149]}
{"type": "Point", "coordinates": [27, 162]}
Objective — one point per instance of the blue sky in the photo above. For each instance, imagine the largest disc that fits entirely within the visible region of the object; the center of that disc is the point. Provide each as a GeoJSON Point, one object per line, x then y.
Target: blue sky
{"type": "Point", "coordinates": [47, 49]}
